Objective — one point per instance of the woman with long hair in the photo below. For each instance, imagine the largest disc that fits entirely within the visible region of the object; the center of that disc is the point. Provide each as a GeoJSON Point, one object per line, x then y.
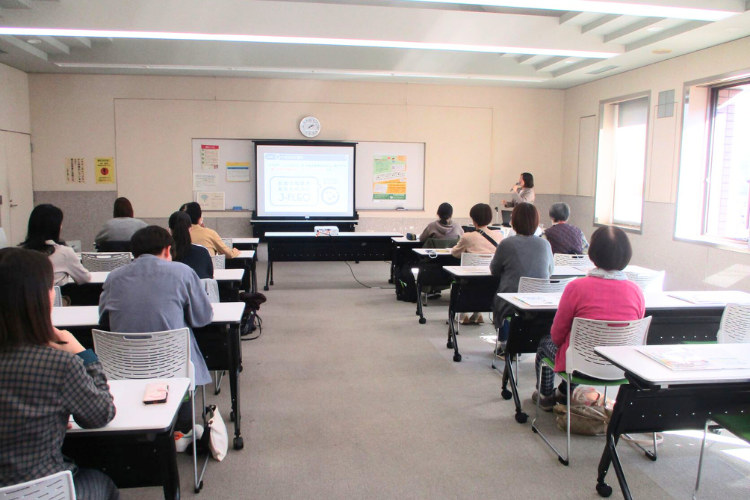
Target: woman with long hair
{"type": "Point", "coordinates": [47, 376]}
{"type": "Point", "coordinates": [43, 235]}
{"type": "Point", "coordinates": [195, 256]}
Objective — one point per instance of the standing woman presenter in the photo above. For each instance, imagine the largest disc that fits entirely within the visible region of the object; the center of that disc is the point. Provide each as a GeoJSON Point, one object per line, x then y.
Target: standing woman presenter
{"type": "Point", "coordinates": [522, 191]}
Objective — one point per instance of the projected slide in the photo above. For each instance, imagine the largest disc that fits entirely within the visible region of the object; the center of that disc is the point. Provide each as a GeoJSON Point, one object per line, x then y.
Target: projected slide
{"type": "Point", "coordinates": [305, 181]}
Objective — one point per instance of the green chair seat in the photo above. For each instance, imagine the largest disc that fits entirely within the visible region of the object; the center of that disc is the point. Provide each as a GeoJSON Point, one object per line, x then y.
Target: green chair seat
{"type": "Point", "coordinates": [583, 380]}
{"type": "Point", "coordinates": [739, 425]}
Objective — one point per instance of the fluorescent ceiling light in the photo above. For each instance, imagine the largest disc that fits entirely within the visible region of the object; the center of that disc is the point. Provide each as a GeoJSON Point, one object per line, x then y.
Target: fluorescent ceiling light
{"type": "Point", "coordinates": [296, 40]}
{"type": "Point", "coordinates": [601, 7]}
{"type": "Point", "coordinates": [310, 71]}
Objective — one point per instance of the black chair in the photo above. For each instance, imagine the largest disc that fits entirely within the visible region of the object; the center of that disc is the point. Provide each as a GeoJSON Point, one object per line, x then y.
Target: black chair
{"type": "Point", "coordinates": [431, 273]}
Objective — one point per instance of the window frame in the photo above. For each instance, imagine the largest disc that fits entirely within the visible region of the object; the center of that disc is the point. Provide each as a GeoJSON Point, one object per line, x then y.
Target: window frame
{"type": "Point", "coordinates": [602, 104]}
{"type": "Point", "coordinates": [723, 80]}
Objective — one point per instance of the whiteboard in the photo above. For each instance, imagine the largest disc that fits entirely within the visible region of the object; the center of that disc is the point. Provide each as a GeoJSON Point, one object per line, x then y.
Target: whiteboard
{"type": "Point", "coordinates": [232, 153]}
{"type": "Point", "coordinates": [364, 189]}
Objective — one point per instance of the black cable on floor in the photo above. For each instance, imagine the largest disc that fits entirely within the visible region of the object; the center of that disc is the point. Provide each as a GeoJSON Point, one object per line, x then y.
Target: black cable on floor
{"type": "Point", "coordinates": [366, 286]}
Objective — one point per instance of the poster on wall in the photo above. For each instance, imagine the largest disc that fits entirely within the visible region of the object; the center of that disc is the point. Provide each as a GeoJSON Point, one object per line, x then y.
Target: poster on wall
{"type": "Point", "coordinates": [238, 171]}
{"type": "Point", "coordinates": [203, 181]}
{"type": "Point", "coordinates": [75, 171]}
{"type": "Point", "coordinates": [105, 170]}
{"type": "Point", "coordinates": [389, 177]}
{"type": "Point", "coordinates": [209, 157]}
{"type": "Point", "coordinates": [210, 200]}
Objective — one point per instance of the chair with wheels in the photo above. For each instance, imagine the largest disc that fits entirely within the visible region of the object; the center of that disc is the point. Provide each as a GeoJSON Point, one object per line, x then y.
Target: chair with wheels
{"type": "Point", "coordinates": [563, 259]}
{"type": "Point", "coordinates": [58, 486]}
{"type": "Point", "coordinates": [430, 273]}
{"type": "Point", "coordinates": [165, 354]}
{"type": "Point", "coordinates": [220, 261]}
{"type": "Point", "coordinates": [651, 282]}
{"type": "Point", "coordinates": [95, 262]}
{"type": "Point", "coordinates": [584, 366]}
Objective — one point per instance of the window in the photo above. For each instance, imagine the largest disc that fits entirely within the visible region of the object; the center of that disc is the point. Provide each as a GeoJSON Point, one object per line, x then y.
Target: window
{"type": "Point", "coordinates": [621, 161]}
{"type": "Point", "coordinates": [713, 197]}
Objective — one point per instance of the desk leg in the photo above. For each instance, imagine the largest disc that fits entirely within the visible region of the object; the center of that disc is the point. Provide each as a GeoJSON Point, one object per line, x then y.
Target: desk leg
{"type": "Point", "coordinates": [452, 339]}
{"type": "Point", "coordinates": [509, 375]}
{"type": "Point", "coordinates": [609, 456]}
{"type": "Point", "coordinates": [422, 319]}
{"type": "Point", "coordinates": [268, 272]}
{"type": "Point", "coordinates": [165, 444]}
{"type": "Point", "coordinates": [253, 276]}
{"type": "Point", "coordinates": [234, 384]}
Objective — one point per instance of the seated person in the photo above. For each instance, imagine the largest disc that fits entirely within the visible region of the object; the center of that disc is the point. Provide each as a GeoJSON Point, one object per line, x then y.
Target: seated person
{"type": "Point", "coordinates": [154, 294]}
{"type": "Point", "coordinates": [443, 228]}
{"type": "Point", "coordinates": [207, 237]}
{"type": "Point", "coordinates": [46, 376]}
{"type": "Point", "coordinates": [563, 237]}
{"type": "Point", "coordinates": [521, 255]}
{"type": "Point", "coordinates": [604, 294]}
{"type": "Point", "coordinates": [482, 240]}
{"type": "Point", "coordinates": [194, 256]}
{"type": "Point", "coordinates": [43, 235]}
{"type": "Point", "coordinates": [123, 226]}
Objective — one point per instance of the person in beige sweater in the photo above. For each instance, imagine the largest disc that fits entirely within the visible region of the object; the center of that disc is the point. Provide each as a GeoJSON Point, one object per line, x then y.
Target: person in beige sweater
{"type": "Point", "coordinates": [207, 237]}
{"type": "Point", "coordinates": [482, 240]}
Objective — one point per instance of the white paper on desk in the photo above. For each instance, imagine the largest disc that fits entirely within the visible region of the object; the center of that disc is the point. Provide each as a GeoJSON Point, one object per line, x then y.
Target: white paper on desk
{"type": "Point", "coordinates": [475, 269]}
{"type": "Point", "coordinates": [719, 298]}
{"type": "Point", "coordinates": [680, 358]}
{"type": "Point", "coordinates": [545, 299]}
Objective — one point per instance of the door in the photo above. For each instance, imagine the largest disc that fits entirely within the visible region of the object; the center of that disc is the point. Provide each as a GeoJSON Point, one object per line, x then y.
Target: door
{"type": "Point", "coordinates": [16, 186]}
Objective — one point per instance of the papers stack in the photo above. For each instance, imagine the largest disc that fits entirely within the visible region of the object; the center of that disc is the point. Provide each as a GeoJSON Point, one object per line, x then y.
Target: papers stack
{"type": "Point", "coordinates": [709, 298]}
{"type": "Point", "coordinates": [542, 299]}
{"type": "Point", "coordinates": [680, 358]}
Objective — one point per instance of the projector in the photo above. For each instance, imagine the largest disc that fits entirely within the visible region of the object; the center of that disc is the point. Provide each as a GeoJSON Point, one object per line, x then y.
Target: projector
{"type": "Point", "coordinates": [326, 231]}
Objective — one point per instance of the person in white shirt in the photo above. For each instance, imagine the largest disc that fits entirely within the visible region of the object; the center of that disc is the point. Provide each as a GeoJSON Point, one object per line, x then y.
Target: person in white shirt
{"type": "Point", "coordinates": [43, 235]}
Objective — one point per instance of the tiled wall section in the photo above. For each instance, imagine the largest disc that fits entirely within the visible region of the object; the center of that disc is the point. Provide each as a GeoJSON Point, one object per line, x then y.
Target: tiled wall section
{"type": "Point", "coordinates": [87, 211]}
{"type": "Point", "coordinates": [689, 266]}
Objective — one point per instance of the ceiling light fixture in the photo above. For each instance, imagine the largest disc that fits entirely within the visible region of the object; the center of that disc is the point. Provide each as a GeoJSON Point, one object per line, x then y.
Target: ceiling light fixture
{"type": "Point", "coordinates": [297, 40]}
{"type": "Point", "coordinates": [33, 41]}
{"type": "Point", "coordinates": [317, 71]}
{"type": "Point", "coordinates": [654, 29]}
{"type": "Point", "coordinates": [602, 7]}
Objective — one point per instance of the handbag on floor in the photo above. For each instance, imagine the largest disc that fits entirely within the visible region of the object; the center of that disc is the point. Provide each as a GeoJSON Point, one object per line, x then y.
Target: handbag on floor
{"type": "Point", "coordinates": [215, 437]}
{"type": "Point", "coordinates": [585, 420]}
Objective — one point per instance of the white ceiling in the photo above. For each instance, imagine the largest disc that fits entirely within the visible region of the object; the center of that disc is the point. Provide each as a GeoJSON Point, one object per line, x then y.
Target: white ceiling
{"type": "Point", "coordinates": [480, 42]}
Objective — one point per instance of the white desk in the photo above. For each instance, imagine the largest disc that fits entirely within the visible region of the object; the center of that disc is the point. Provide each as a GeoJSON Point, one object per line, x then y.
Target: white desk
{"type": "Point", "coordinates": [245, 241]}
{"type": "Point", "coordinates": [654, 300]}
{"type": "Point", "coordinates": [245, 260]}
{"type": "Point", "coordinates": [425, 252]}
{"type": "Point", "coordinates": [88, 316]}
{"type": "Point", "coordinates": [246, 254]}
{"type": "Point", "coordinates": [99, 277]}
{"type": "Point", "coordinates": [403, 239]}
{"type": "Point", "coordinates": [347, 234]}
{"type": "Point", "coordinates": [660, 399]}
{"type": "Point", "coordinates": [134, 416]}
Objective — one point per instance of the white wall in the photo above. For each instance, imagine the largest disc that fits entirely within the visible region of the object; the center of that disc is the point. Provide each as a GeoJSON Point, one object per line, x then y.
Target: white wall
{"type": "Point", "coordinates": [478, 139]}
{"type": "Point", "coordinates": [688, 265]}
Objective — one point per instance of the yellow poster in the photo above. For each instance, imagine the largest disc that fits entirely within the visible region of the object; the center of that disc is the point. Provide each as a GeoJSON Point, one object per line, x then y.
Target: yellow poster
{"type": "Point", "coordinates": [105, 170]}
{"type": "Point", "coordinates": [389, 177]}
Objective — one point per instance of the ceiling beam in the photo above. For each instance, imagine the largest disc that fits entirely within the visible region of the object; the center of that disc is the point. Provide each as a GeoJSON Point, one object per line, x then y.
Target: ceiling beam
{"type": "Point", "coordinates": [632, 28]}
{"type": "Point", "coordinates": [14, 43]}
{"type": "Point", "coordinates": [663, 35]}
{"type": "Point", "coordinates": [600, 21]}
{"type": "Point", "coordinates": [77, 42]}
{"type": "Point", "coordinates": [52, 45]}
{"type": "Point", "coordinates": [570, 15]}
{"type": "Point", "coordinates": [569, 68]}
{"type": "Point", "coordinates": [16, 4]}
{"type": "Point", "coordinates": [522, 59]}
{"type": "Point", "coordinates": [549, 62]}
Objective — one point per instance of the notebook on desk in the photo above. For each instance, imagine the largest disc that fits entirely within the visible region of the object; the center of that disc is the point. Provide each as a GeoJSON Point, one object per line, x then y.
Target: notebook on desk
{"type": "Point", "coordinates": [680, 358]}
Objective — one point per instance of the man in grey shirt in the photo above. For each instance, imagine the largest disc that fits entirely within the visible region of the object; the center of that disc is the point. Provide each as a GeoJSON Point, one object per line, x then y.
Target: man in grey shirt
{"type": "Point", "coordinates": [154, 294]}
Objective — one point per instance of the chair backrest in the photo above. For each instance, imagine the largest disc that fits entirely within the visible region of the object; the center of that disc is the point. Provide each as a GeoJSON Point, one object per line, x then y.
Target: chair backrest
{"type": "Point", "coordinates": [476, 259]}
{"type": "Point", "coordinates": [58, 297]}
{"type": "Point", "coordinates": [220, 261]}
{"type": "Point", "coordinates": [651, 282]}
{"type": "Point", "coordinates": [587, 334]}
{"type": "Point", "coordinates": [144, 355]}
{"type": "Point", "coordinates": [58, 486]}
{"type": "Point", "coordinates": [541, 285]}
{"type": "Point", "coordinates": [440, 243]}
{"type": "Point", "coordinates": [212, 289]}
{"type": "Point", "coordinates": [227, 242]}
{"type": "Point", "coordinates": [735, 324]}
{"type": "Point", "coordinates": [105, 261]}
{"type": "Point", "coordinates": [563, 259]}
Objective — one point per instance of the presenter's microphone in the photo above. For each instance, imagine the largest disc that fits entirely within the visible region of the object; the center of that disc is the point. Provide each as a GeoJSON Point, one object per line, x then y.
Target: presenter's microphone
{"type": "Point", "coordinates": [516, 184]}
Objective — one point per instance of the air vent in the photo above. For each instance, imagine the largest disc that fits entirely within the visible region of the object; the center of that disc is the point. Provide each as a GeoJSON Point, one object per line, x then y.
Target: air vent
{"type": "Point", "coordinates": [601, 70]}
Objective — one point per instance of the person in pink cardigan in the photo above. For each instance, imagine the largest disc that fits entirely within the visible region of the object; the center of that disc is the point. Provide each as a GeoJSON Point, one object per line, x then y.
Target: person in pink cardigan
{"type": "Point", "coordinates": [604, 294]}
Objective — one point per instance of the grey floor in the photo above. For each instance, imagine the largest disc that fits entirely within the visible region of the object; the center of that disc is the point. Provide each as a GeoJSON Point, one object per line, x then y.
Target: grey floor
{"type": "Point", "coordinates": [346, 396]}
